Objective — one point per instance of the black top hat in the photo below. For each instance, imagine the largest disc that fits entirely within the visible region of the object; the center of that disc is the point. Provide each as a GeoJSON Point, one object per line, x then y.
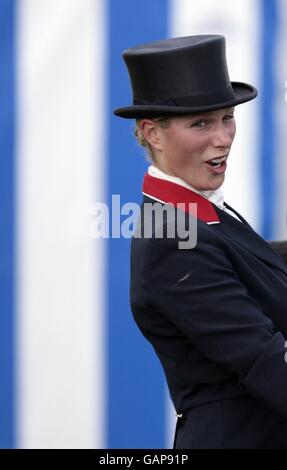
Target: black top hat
{"type": "Point", "coordinates": [181, 76]}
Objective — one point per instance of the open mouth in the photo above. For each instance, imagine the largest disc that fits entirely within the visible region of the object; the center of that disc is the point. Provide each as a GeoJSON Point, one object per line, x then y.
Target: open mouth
{"type": "Point", "coordinates": [217, 162]}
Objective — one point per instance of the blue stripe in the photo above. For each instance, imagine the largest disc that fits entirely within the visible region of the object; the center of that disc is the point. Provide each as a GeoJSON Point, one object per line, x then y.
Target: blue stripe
{"type": "Point", "coordinates": [6, 222]}
{"type": "Point", "coordinates": [136, 393]}
{"type": "Point", "coordinates": [268, 148]}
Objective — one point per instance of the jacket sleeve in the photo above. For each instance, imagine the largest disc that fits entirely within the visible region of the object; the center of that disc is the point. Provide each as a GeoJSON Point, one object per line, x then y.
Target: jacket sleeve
{"type": "Point", "coordinates": [201, 293]}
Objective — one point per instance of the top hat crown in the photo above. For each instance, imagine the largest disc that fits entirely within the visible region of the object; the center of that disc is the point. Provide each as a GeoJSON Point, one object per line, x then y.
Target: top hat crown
{"type": "Point", "coordinates": [180, 76]}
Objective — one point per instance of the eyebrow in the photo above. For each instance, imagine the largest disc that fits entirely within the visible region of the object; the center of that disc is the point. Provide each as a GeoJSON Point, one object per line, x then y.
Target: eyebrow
{"type": "Point", "coordinates": [211, 113]}
{"type": "Point", "coordinates": [224, 110]}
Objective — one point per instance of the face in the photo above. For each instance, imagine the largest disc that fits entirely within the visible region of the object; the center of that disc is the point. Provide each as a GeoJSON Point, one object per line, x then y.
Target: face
{"type": "Point", "coordinates": [188, 145]}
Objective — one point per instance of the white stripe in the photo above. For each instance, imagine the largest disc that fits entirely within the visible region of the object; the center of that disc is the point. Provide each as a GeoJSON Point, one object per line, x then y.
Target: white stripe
{"type": "Point", "coordinates": [155, 198]}
{"type": "Point", "coordinates": [238, 22]}
{"type": "Point", "coordinates": [60, 269]}
{"type": "Point", "coordinates": [280, 108]}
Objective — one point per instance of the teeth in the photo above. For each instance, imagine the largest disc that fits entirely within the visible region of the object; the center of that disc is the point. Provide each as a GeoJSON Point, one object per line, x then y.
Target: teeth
{"type": "Point", "coordinates": [218, 160]}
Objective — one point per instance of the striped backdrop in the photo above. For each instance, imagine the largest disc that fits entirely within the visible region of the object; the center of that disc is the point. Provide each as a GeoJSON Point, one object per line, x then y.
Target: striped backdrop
{"type": "Point", "coordinates": [74, 370]}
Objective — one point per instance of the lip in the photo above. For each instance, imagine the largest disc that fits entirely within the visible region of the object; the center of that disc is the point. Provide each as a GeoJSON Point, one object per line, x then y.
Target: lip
{"type": "Point", "coordinates": [219, 156]}
{"type": "Point", "coordinates": [218, 170]}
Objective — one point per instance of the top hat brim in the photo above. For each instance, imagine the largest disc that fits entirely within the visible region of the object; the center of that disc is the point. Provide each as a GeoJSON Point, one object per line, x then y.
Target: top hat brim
{"type": "Point", "coordinates": [242, 92]}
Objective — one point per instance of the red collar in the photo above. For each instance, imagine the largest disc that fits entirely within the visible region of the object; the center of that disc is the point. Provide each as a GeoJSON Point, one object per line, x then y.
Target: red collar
{"type": "Point", "coordinates": [172, 193]}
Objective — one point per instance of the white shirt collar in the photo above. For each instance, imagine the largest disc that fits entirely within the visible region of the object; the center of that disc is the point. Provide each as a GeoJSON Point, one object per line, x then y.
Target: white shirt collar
{"type": "Point", "coordinates": [214, 196]}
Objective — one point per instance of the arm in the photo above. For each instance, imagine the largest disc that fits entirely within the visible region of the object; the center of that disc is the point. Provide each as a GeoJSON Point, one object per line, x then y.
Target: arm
{"type": "Point", "coordinates": [199, 291]}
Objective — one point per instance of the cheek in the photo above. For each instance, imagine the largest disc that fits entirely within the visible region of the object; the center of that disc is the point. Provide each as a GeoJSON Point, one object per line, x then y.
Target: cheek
{"type": "Point", "coordinates": [191, 147]}
{"type": "Point", "coordinates": [195, 151]}
{"type": "Point", "coordinates": [188, 157]}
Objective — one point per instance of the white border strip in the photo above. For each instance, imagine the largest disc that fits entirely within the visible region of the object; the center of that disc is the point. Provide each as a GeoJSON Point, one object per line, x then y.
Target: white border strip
{"type": "Point", "coordinates": [60, 174]}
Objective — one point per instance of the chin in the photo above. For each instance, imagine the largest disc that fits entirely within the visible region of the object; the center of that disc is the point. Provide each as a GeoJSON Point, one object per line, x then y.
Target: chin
{"type": "Point", "coordinates": [210, 187]}
{"type": "Point", "coordinates": [216, 186]}
{"type": "Point", "coordinates": [217, 183]}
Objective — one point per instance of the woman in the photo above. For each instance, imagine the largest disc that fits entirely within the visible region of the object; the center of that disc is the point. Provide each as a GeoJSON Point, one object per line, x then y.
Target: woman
{"type": "Point", "coordinates": [214, 313]}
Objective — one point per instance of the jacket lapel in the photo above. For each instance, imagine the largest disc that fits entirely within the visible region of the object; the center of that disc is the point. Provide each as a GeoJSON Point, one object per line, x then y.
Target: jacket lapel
{"type": "Point", "coordinates": [168, 192]}
{"type": "Point", "coordinates": [243, 234]}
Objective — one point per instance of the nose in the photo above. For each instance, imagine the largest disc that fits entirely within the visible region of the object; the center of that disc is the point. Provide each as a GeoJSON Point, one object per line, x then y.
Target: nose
{"type": "Point", "coordinates": [222, 137]}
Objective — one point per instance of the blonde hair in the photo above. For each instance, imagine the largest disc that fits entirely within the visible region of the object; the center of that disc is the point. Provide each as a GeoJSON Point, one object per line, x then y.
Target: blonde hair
{"type": "Point", "coordinates": [163, 122]}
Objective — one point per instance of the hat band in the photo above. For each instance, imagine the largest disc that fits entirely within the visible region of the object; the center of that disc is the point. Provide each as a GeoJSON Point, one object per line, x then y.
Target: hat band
{"type": "Point", "coordinates": [216, 97]}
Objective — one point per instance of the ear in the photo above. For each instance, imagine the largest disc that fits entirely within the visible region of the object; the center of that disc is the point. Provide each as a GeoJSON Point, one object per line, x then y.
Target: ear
{"type": "Point", "coordinates": [152, 133]}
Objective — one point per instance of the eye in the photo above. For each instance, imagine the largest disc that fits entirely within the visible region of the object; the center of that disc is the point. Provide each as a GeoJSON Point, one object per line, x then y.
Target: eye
{"type": "Point", "coordinates": [228, 117]}
{"type": "Point", "coordinates": [200, 124]}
